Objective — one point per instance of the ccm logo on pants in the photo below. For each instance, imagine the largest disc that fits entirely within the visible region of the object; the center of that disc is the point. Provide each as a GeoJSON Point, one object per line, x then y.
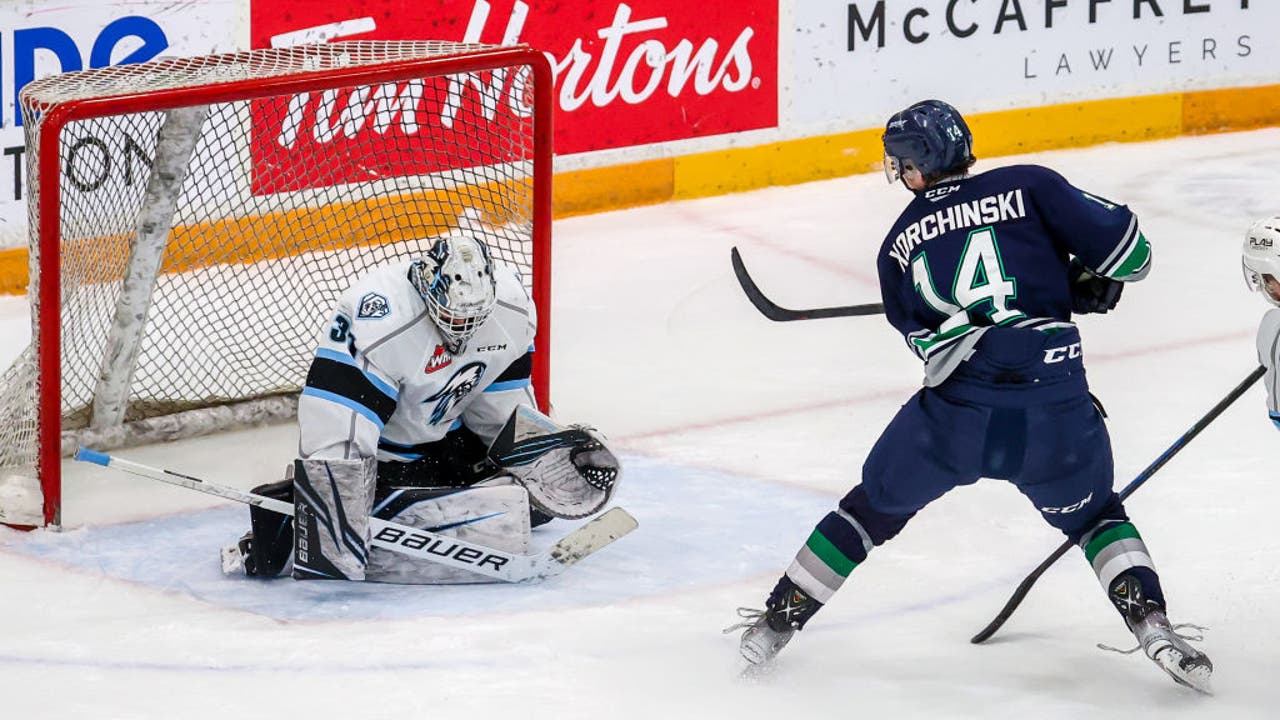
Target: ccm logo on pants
{"type": "Point", "coordinates": [1058, 354]}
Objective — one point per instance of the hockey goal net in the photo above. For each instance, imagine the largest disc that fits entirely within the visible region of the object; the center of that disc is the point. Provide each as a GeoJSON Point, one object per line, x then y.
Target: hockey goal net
{"type": "Point", "coordinates": [193, 221]}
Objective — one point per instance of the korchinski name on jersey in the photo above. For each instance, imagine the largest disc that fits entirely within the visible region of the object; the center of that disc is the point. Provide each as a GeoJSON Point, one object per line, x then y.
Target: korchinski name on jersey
{"type": "Point", "coordinates": [975, 213]}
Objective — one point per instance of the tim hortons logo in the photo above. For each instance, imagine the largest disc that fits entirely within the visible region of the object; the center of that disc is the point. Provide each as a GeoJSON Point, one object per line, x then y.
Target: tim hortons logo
{"type": "Point", "coordinates": [629, 65]}
{"type": "Point", "coordinates": [673, 66]}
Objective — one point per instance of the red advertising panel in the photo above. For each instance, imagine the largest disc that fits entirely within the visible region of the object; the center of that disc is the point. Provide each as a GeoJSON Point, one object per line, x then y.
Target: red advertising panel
{"type": "Point", "coordinates": [627, 73]}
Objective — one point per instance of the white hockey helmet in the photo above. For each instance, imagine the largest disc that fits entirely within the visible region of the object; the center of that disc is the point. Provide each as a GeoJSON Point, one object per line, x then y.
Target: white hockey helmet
{"type": "Point", "coordinates": [456, 281]}
{"type": "Point", "coordinates": [1261, 256]}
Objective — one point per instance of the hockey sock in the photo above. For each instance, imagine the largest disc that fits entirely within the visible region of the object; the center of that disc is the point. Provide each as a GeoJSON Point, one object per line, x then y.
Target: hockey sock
{"type": "Point", "coordinates": [1114, 548]}
{"type": "Point", "coordinates": [839, 543]}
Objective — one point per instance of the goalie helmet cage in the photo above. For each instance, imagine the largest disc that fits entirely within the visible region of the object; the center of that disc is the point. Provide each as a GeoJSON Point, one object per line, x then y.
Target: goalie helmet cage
{"type": "Point", "coordinates": [193, 221]}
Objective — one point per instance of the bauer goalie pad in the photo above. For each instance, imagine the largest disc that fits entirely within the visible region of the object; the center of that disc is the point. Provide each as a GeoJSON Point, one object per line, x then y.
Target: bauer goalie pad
{"type": "Point", "coordinates": [496, 517]}
{"type": "Point", "coordinates": [568, 471]}
{"type": "Point", "coordinates": [569, 550]}
{"type": "Point", "coordinates": [332, 500]}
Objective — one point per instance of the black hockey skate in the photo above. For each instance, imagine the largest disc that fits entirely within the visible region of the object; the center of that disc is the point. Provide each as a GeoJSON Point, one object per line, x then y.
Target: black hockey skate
{"type": "Point", "coordinates": [1159, 639]}
{"type": "Point", "coordinates": [267, 549]}
{"type": "Point", "coordinates": [238, 559]}
{"type": "Point", "coordinates": [766, 632]}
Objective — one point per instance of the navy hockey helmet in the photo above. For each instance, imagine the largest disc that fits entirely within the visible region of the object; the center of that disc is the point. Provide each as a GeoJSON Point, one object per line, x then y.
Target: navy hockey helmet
{"type": "Point", "coordinates": [930, 136]}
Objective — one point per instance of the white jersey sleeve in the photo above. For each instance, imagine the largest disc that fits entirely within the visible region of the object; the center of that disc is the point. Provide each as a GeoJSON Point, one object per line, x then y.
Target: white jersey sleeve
{"type": "Point", "coordinates": [1269, 357]}
{"type": "Point", "coordinates": [348, 399]}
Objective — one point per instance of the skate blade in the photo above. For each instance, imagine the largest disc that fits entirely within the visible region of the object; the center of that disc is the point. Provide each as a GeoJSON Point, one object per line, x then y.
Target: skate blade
{"type": "Point", "coordinates": [757, 671]}
{"type": "Point", "coordinates": [1198, 677]}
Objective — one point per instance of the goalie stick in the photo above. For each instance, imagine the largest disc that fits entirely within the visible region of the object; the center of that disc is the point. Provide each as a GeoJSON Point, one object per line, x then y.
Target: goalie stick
{"type": "Point", "coordinates": [776, 312]}
{"type": "Point", "coordinates": [413, 542]}
{"type": "Point", "coordinates": [1025, 586]}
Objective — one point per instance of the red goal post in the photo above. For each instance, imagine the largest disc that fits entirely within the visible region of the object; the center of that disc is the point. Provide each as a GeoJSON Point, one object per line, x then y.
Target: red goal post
{"type": "Point", "coordinates": [194, 220]}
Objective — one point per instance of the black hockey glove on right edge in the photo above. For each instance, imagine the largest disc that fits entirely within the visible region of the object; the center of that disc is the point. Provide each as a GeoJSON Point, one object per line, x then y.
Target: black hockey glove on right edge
{"type": "Point", "coordinates": [1092, 293]}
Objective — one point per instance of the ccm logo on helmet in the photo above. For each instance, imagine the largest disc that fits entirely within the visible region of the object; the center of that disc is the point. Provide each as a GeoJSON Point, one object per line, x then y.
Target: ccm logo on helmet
{"type": "Point", "coordinates": [1058, 354]}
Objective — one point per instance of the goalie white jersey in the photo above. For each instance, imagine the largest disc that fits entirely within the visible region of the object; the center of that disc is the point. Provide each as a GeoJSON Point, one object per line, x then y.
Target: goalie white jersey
{"type": "Point", "coordinates": [1269, 357]}
{"type": "Point", "coordinates": [383, 382]}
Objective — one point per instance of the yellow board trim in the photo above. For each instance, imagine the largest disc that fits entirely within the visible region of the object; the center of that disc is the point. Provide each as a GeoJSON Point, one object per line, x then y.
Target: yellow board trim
{"type": "Point", "coordinates": [786, 162]}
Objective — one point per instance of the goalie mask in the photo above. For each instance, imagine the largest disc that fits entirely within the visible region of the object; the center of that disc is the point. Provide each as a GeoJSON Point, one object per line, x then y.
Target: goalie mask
{"type": "Point", "coordinates": [1260, 259]}
{"type": "Point", "coordinates": [456, 281]}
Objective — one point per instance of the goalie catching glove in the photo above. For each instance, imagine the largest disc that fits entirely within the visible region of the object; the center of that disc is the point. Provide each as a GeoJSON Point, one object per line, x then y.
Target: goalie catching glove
{"type": "Point", "coordinates": [568, 471]}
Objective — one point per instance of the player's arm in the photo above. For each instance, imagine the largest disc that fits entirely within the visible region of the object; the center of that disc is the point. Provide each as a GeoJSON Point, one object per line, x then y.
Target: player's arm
{"type": "Point", "coordinates": [1102, 235]}
{"type": "Point", "coordinates": [1104, 239]}
{"type": "Point", "coordinates": [347, 399]}
{"type": "Point", "coordinates": [1269, 357]}
{"type": "Point", "coordinates": [489, 411]}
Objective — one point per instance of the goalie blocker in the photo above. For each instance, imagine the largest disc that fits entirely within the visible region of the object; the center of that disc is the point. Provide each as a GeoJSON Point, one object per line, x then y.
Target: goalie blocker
{"type": "Point", "coordinates": [566, 472]}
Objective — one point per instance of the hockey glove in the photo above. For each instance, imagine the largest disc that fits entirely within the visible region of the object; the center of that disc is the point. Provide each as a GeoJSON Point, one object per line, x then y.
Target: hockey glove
{"type": "Point", "coordinates": [1092, 293]}
{"type": "Point", "coordinates": [568, 471]}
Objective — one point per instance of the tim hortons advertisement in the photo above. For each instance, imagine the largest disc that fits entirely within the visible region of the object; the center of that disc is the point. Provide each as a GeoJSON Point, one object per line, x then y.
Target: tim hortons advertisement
{"type": "Point", "coordinates": [626, 73]}
{"type": "Point", "coordinates": [857, 61]}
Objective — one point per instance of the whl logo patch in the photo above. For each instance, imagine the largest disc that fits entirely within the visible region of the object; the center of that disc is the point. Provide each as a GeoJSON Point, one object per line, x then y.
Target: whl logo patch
{"type": "Point", "coordinates": [439, 359]}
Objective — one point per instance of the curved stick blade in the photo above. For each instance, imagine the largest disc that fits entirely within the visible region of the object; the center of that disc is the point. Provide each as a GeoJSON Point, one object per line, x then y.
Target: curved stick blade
{"type": "Point", "coordinates": [777, 313]}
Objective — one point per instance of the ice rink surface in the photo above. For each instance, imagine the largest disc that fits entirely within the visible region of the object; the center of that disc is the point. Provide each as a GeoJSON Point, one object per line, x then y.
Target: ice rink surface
{"type": "Point", "coordinates": [738, 434]}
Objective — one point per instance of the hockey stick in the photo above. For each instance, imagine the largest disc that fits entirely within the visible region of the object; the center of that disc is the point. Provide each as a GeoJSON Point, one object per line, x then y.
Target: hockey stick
{"type": "Point", "coordinates": [416, 543]}
{"type": "Point", "coordinates": [1025, 586]}
{"type": "Point", "coordinates": [778, 313]}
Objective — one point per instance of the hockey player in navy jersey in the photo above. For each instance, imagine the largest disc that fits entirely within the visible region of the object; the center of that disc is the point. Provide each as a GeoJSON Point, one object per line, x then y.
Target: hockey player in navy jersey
{"type": "Point", "coordinates": [1261, 265]}
{"type": "Point", "coordinates": [418, 389]}
{"type": "Point", "coordinates": [981, 274]}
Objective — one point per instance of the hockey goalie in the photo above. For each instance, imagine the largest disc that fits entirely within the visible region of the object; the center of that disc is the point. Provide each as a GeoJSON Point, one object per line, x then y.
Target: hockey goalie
{"type": "Point", "coordinates": [418, 409]}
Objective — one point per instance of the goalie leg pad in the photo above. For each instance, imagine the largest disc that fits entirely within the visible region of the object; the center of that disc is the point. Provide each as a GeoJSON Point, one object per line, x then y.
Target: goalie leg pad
{"type": "Point", "coordinates": [332, 501]}
{"type": "Point", "coordinates": [568, 471]}
{"type": "Point", "coordinates": [494, 516]}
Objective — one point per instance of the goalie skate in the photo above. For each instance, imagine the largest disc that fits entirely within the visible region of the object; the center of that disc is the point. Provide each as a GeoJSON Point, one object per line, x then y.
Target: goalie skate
{"type": "Point", "coordinates": [237, 558]}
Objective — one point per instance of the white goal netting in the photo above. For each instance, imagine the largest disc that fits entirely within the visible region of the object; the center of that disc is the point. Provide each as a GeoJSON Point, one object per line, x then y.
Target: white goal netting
{"type": "Point", "coordinates": [209, 211]}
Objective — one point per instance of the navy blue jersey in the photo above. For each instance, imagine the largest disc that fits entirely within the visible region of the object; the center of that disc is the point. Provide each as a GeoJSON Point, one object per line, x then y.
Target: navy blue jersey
{"type": "Point", "coordinates": [992, 250]}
